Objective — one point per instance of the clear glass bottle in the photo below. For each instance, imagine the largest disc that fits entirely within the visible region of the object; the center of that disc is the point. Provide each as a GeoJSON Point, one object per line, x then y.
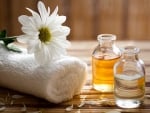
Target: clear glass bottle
{"type": "Point", "coordinates": [129, 77]}
{"type": "Point", "coordinates": [105, 55]}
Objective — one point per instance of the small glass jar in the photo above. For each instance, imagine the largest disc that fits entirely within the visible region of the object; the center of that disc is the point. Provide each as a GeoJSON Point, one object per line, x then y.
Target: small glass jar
{"type": "Point", "coordinates": [105, 55]}
{"type": "Point", "coordinates": [129, 77]}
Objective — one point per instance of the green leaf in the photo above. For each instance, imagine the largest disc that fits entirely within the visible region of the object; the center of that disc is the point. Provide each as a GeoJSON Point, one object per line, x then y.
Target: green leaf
{"type": "Point", "coordinates": [13, 48]}
{"type": "Point", "coordinates": [3, 34]}
{"type": "Point", "coordinates": [8, 40]}
{"type": "Point", "coordinates": [5, 39]}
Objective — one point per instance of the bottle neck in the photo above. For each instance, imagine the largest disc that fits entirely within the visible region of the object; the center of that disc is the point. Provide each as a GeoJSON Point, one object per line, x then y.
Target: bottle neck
{"type": "Point", "coordinates": [106, 40]}
{"type": "Point", "coordinates": [130, 56]}
{"type": "Point", "coordinates": [106, 43]}
{"type": "Point", "coordinates": [130, 53]}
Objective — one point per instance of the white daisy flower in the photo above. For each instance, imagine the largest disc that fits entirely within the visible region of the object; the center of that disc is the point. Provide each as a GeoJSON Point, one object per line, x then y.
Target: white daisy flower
{"type": "Point", "coordinates": [44, 34]}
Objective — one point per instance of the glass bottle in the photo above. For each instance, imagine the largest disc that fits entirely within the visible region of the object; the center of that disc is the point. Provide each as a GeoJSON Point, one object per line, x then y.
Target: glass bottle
{"type": "Point", "coordinates": [105, 55]}
{"type": "Point", "coordinates": [129, 77]}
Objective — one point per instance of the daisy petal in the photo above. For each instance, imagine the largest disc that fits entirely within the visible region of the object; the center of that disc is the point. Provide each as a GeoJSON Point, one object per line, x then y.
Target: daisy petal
{"type": "Point", "coordinates": [56, 50]}
{"type": "Point", "coordinates": [48, 11]}
{"type": "Point", "coordinates": [54, 13]}
{"type": "Point", "coordinates": [24, 20]}
{"type": "Point", "coordinates": [63, 43]}
{"type": "Point", "coordinates": [30, 31]}
{"type": "Point", "coordinates": [42, 10]}
{"type": "Point", "coordinates": [43, 56]}
{"type": "Point", "coordinates": [26, 38]}
{"type": "Point", "coordinates": [33, 45]}
{"type": "Point", "coordinates": [51, 19]}
{"type": "Point", "coordinates": [56, 21]}
{"type": "Point", "coordinates": [61, 31]}
{"type": "Point", "coordinates": [66, 30]}
{"type": "Point", "coordinates": [31, 11]}
{"type": "Point", "coordinates": [27, 21]}
{"type": "Point", "coordinates": [22, 38]}
{"type": "Point", "coordinates": [60, 19]}
{"type": "Point", "coordinates": [36, 17]}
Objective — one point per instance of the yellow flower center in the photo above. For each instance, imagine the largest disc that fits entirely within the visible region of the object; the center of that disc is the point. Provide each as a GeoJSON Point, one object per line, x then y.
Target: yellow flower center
{"type": "Point", "coordinates": [45, 35]}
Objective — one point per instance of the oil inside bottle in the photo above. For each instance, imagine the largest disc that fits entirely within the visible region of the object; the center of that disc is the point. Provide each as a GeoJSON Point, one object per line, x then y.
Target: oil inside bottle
{"type": "Point", "coordinates": [103, 77]}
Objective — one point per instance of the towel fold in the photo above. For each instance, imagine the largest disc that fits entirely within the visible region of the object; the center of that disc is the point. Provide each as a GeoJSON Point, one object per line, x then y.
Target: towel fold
{"type": "Point", "coordinates": [57, 82]}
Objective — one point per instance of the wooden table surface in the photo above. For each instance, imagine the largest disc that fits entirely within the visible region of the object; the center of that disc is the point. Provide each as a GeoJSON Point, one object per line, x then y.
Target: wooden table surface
{"type": "Point", "coordinates": [89, 101]}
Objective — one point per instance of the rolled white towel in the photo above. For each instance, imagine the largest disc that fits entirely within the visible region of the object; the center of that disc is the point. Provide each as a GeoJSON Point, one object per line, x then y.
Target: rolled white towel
{"type": "Point", "coordinates": [57, 82]}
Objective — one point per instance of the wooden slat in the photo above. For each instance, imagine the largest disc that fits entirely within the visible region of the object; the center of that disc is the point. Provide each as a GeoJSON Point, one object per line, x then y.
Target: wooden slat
{"type": "Point", "coordinates": [9, 13]}
{"type": "Point", "coordinates": [4, 15]}
{"type": "Point", "coordinates": [138, 18]}
{"type": "Point", "coordinates": [81, 18]}
{"type": "Point", "coordinates": [109, 17]}
{"type": "Point", "coordinates": [128, 19]}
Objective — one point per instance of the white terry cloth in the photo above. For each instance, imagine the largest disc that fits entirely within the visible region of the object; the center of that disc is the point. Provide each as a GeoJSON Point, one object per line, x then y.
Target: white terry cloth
{"type": "Point", "coordinates": [57, 82]}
